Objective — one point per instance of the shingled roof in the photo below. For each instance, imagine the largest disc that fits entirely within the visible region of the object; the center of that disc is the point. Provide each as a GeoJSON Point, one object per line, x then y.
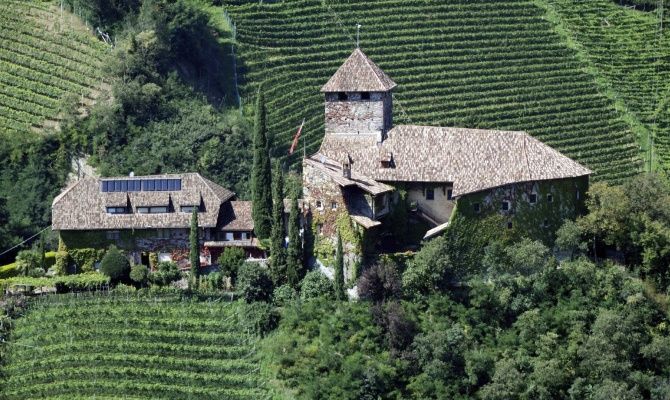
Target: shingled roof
{"type": "Point", "coordinates": [359, 74]}
{"type": "Point", "coordinates": [471, 159]}
{"type": "Point", "coordinates": [83, 205]}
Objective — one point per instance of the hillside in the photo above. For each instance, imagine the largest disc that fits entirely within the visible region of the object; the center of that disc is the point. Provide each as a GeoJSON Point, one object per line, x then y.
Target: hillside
{"type": "Point", "coordinates": [629, 50]}
{"type": "Point", "coordinates": [45, 55]}
{"type": "Point", "coordinates": [72, 347]}
{"type": "Point", "coordinates": [463, 63]}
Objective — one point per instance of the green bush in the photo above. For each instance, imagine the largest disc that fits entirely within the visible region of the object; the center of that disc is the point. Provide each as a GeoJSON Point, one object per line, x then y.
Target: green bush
{"type": "Point", "coordinates": [258, 318]}
{"type": "Point", "coordinates": [139, 274]}
{"type": "Point", "coordinates": [230, 262]}
{"type": "Point", "coordinates": [284, 295]}
{"type": "Point", "coordinates": [115, 265]}
{"type": "Point", "coordinates": [62, 259]}
{"type": "Point", "coordinates": [316, 285]}
{"type": "Point", "coordinates": [214, 281]}
{"type": "Point", "coordinates": [26, 261]}
{"type": "Point", "coordinates": [255, 283]}
{"type": "Point", "coordinates": [166, 273]}
{"type": "Point", "coordinates": [8, 271]}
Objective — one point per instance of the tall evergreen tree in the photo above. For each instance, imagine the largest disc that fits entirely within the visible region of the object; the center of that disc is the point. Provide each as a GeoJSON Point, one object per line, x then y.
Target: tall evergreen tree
{"type": "Point", "coordinates": [339, 269]}
{"type": "Point", "coordinates": [294, 253]}
{"type": "Point", "coordinates": [261, 180]}
{"type": "Point", "coordinates": [277, 251]}
{"type": "Point", "coordinates": [195, 249]}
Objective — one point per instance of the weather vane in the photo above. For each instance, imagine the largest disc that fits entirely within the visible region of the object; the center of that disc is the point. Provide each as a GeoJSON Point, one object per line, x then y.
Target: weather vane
{"type": "Point", "coordinates": [358, 35]}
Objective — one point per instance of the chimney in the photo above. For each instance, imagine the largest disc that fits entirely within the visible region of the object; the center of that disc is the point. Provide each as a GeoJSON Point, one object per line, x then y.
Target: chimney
{"type": "Point", "coordinates": [346, 167]}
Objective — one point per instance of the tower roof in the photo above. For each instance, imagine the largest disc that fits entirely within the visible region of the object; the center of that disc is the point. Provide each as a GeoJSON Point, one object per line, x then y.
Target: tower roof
{"type": "Point", "coordinates": [359, 74]}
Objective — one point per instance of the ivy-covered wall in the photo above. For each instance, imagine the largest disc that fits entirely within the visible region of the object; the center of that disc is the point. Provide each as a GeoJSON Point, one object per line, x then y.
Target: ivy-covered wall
{"type": "Point", "coordinates": [557, 200]}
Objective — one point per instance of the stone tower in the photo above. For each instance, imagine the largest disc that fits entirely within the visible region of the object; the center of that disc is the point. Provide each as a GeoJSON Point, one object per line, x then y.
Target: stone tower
{"type": "Point", "coordinates": [359, 99]}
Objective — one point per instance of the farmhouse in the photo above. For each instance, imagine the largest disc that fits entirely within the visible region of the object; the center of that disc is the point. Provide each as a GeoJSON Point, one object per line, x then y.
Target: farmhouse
{"type": "Point", "coordinates": [152, 214]}
{"type": "Point", "coordinates": [366, 165]}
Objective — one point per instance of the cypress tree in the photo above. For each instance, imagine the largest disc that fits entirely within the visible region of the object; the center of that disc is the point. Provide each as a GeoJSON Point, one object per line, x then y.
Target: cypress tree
{"type": "Point", "coordinates": [43, 261]}
{"type": "Point", "coordinates": [277, 251]}
{"type": "Point", "coordinates": [195, 249]}
{"type": "Point", "coordinates": [260, 172]}
{"type": "Point", "coordinates": [294, 253]}
{"type": "Point", "coordinates": [339, 270]}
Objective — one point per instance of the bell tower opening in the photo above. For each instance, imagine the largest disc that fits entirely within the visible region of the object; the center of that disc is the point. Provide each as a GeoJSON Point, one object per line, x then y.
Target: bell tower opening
{"type": "Point", "coordinates": [359, 99]}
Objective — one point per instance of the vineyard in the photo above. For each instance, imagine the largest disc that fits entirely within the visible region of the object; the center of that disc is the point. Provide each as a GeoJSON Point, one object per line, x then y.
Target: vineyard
{"type": "Point", "coordinates": [45, 55]}
{"type": "Point", "coordinates": [118, 347]}
{"type": "Point", "coordinates": [630, 51]}
{"type": "Point", "coordinates": [479, 64]}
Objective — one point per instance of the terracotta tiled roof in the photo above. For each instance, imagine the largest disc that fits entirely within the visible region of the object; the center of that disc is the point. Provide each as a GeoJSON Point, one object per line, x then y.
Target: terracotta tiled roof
{"type": "Point", "coordinates": [359, 74]}
{"type": "Point", "coordinates": [472, 159]}
{"type": "Point", "coordinates": [83, 206]}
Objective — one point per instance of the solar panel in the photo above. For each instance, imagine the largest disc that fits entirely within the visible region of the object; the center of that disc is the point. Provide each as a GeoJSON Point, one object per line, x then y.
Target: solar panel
{"type": "Point", "coordinates": [140, 185]}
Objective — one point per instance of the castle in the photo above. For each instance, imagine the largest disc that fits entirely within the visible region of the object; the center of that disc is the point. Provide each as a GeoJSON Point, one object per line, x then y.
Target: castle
{"type": "Point", "coordinates": [366, 165]}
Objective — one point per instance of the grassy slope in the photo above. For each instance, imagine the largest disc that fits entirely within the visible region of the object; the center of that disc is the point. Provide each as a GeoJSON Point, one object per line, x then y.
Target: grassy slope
{"type": "Point", "coordinates": [631, 56]}
{"type": "Point", "coordinates": [44, 58]}
{"type": "Point", "coordinates": [130, 348]}
{"type": "Point", "coordinates": [464, 63]}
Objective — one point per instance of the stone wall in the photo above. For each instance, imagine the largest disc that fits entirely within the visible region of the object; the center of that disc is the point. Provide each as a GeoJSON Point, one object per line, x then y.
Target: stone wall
{"type": "Point", "coordinates": [318, 187]}
{"type": "Point", "coordinates": [357, 116]}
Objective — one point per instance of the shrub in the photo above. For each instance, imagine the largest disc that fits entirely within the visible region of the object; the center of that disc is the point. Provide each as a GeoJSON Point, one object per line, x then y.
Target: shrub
{"type": "Point", "coordinates": [166, 273]}
{"type": "Point", "coordinates": [214, 281]}
{"type": "Point", "coordinates": [139, 274]}
{"type": "Point", "coordinates": [284, 295]}
{"type": "Point", "coordinates": [26, 261]}
{"type": "Point", "coordinates": [255, 283]}
{"type": "Point", "coordinates": [115, 265]}
{"type": "Point", "coordinates": [258, 318]}
{"type": "Point", "coordinates": [230, 262]}
{"type": "Point", "coordinates": [380, 282]}
{"type": "Point", "coordinates": [316, 285]}
{"type": "Point", "coordinates": [62, 261]}
{"type": "Point", "coordinates": [8, 271]}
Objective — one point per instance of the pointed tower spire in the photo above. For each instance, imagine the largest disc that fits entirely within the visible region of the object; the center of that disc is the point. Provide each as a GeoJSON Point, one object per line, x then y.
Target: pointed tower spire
{"type": "Point", "coordinates": [359, 74]}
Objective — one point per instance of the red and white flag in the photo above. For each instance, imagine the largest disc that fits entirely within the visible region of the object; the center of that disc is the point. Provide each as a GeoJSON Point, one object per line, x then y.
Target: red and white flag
{"type": "Point", "coordinates": [296, 138]}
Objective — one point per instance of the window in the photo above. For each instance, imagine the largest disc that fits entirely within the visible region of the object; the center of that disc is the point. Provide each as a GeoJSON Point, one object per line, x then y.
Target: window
{"type": "Point", "coordinates": [430, 194]}
{"type": "Point", "coordinates": [189, 209]}
{"type": "Point", "coordinates": [450, 194]}
{"type": "Point", "coordinates": [532, 198]}
{"type": "Point", "coordinates": [319, 205]}
{"type": "Point", "coordinates": [245, 236]}
{"type": "Point", "coordinates": [509, 225]}
{"type": "Point", "coordinates": [550, 198]}
{"type": "Point", "coordinates": [545, 223]}
{"type": "Point", "coordinates": [365, 95]}
{"type": "Point", "coordinates": [163, 233]}
{"type": "Point", "coordinates": [117, 210]}
{"type": "Point", "coordinates": [342, 96]}
{"type": "Point", "coordinates": [333, 205]}
{"type": "Point", "coordinates": [577, 194]}
{"type": "Point", "coordinates": [476, 207]}
{"type": "Point", "coordinates": [113, 235]}
{"type": "Point", "coordinates": [152, 210]}
{"type": "Point", "coordinates": [229, 236]}
{"type": "Point", "coordinates": [505, 205]}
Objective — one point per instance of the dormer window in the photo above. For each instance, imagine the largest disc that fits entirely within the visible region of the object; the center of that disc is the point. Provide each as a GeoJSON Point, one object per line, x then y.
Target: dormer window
{"type": "Point", "coordinates": [117, 210]}
{"type": "Point", "coordinates": [152, 210]}
{"type": "Point", "coordinates": [365, 95]}
{"type": "Point", "coordinates": [189, 209]}
{"type": "Point", "coordinates": [342, 96]}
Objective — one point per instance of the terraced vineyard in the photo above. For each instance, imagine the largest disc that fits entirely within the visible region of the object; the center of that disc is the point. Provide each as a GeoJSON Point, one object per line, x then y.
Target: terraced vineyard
{"type": "Point", "coordinates": [104, 347]}
{"type": "Point", "coordinates": [43, 58]}
{"type": "Point", "coordinates": [630, 51]}
{"type": "Point", "coordinates": [482, 64]}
